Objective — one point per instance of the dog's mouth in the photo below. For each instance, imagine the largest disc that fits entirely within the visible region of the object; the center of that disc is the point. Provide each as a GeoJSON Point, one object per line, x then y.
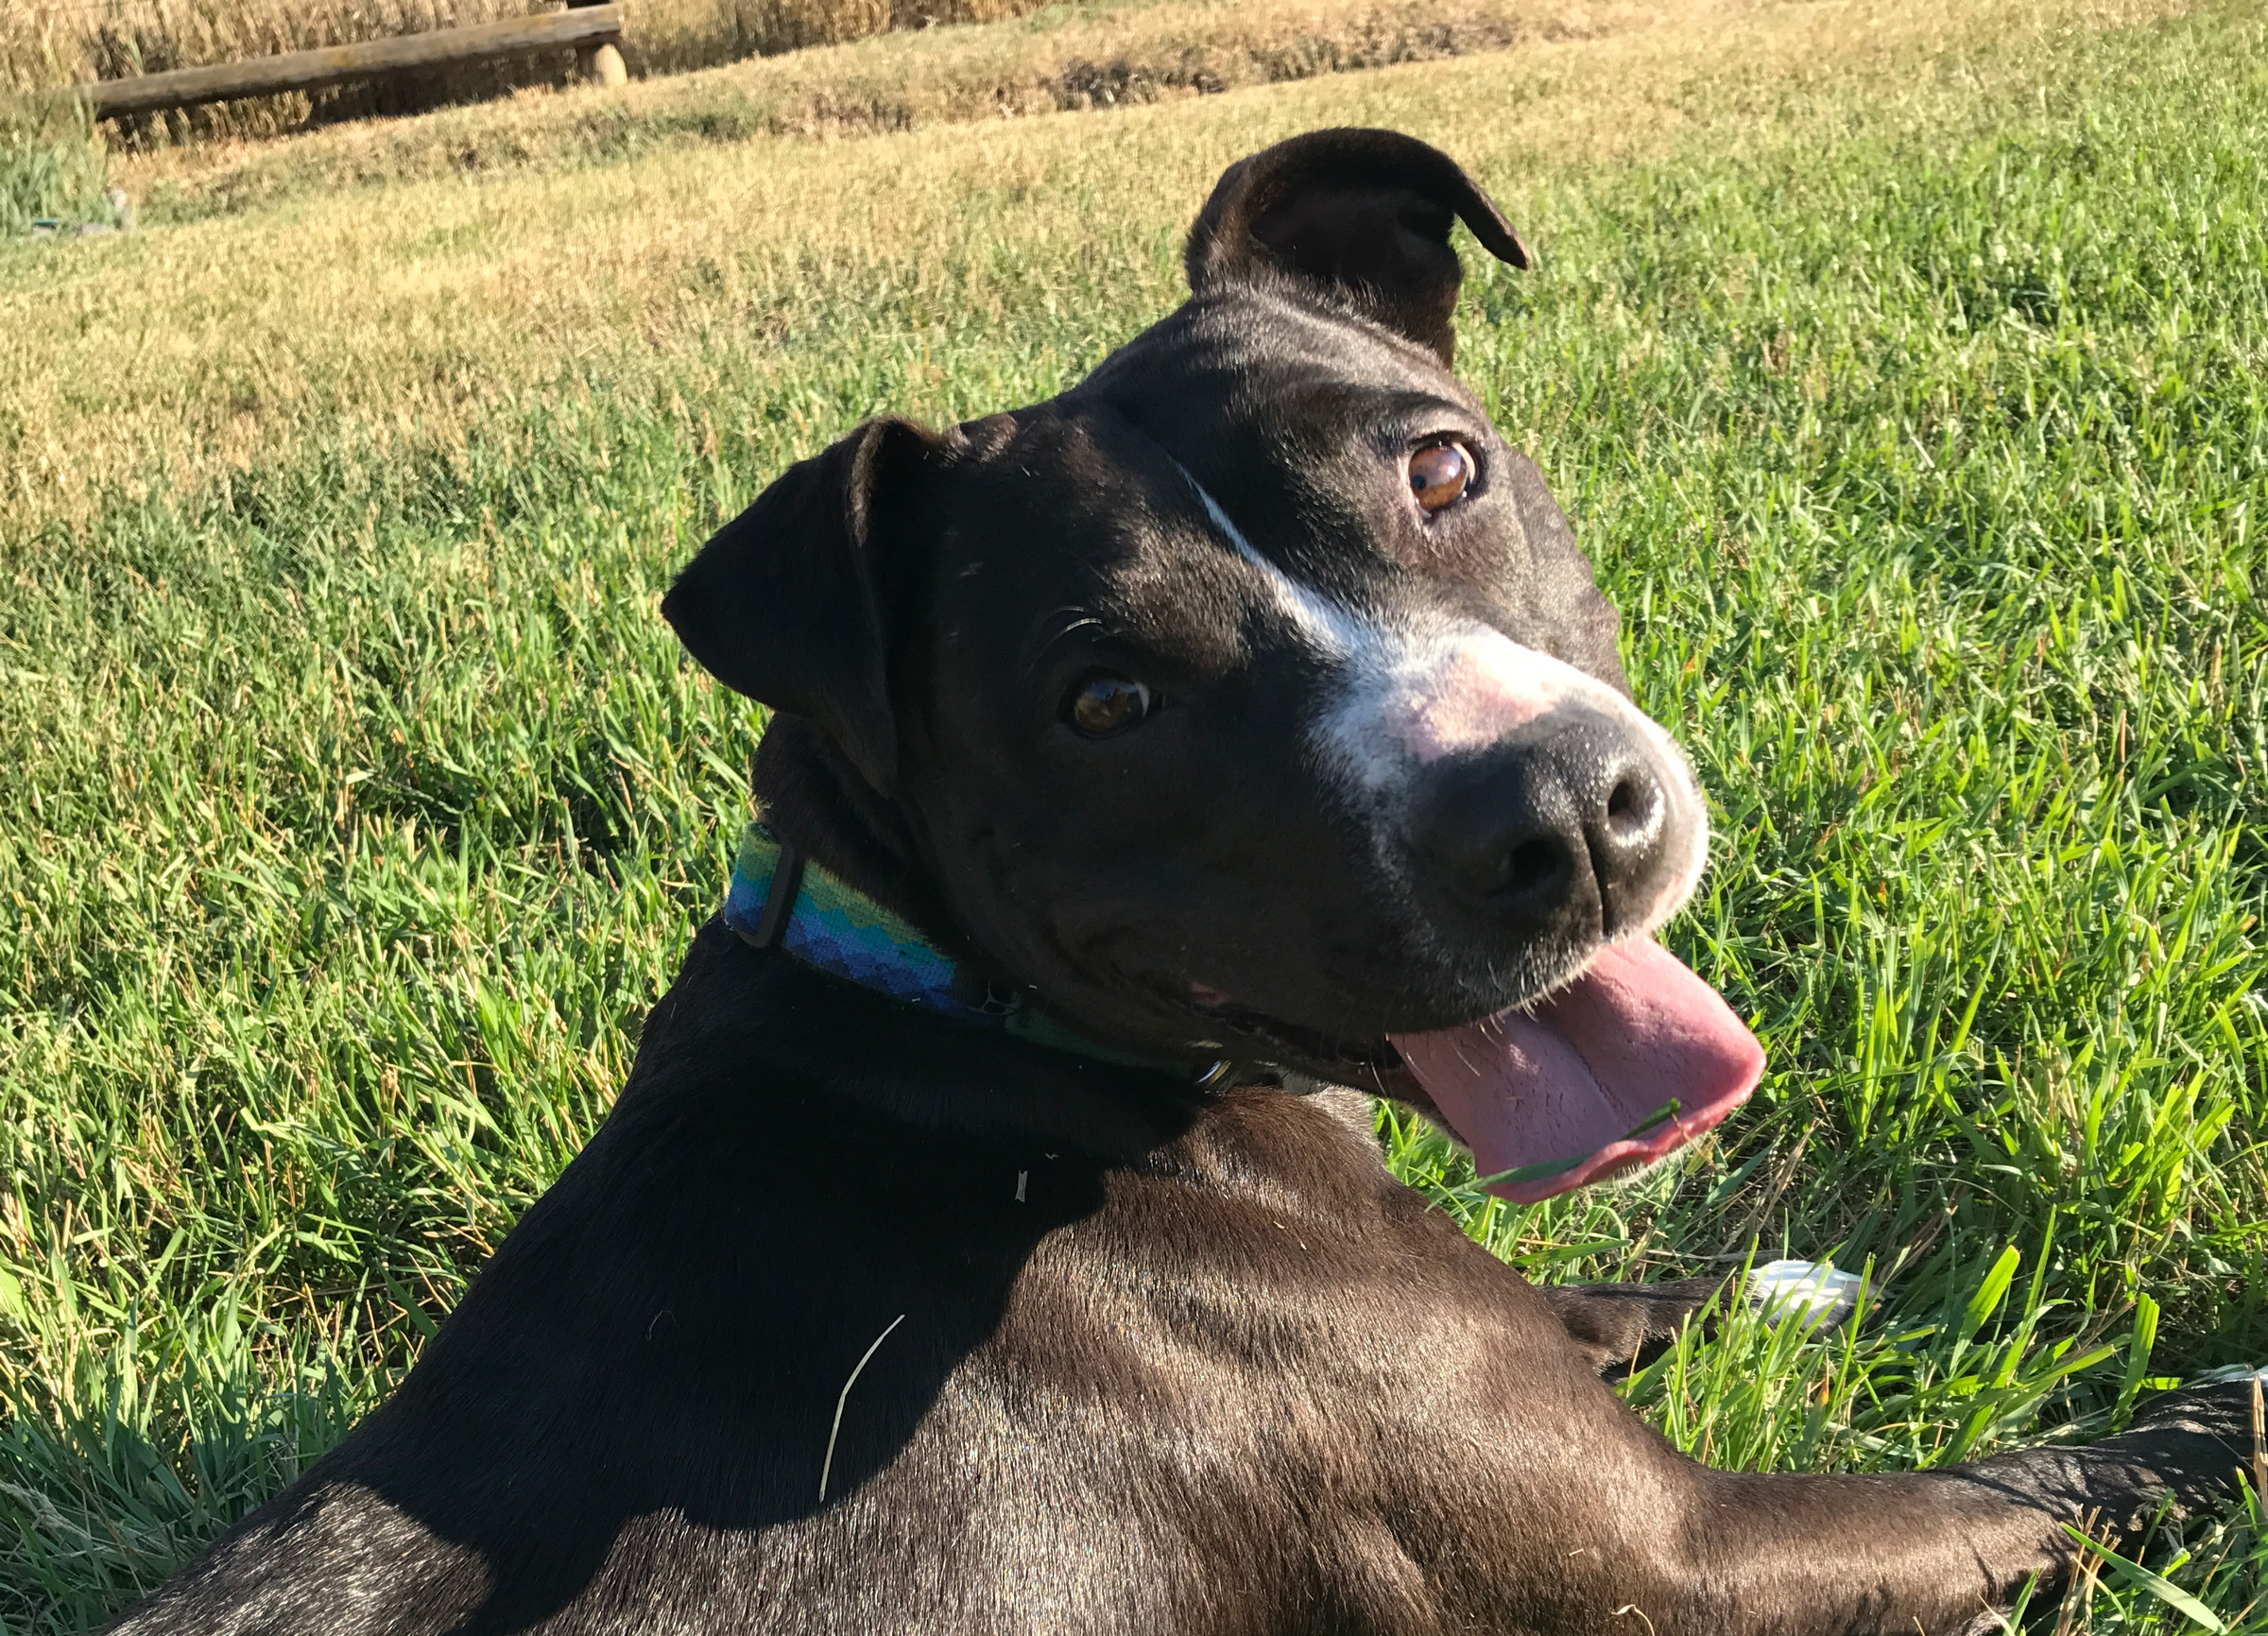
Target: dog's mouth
{"type": "Point", "coordinates": [1289, 1041]}
{"type": "Point", "coordinates": [1620, 1067]}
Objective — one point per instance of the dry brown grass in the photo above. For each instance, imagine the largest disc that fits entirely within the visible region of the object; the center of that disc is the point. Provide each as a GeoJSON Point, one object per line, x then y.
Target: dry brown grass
{"type": "Point", "coordinates": [407, 316]}
{"type": "Point", "coordinates": [49, 43]}
{"type": "Point", "coordinates": [1061, 59]}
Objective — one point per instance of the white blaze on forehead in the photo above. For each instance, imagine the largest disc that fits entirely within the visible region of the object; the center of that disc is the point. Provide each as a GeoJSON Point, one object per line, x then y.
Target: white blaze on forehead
{"type": "Point", "coordinates": [1408, 693]}
{"type": "Point", "coordinates": [1330, 630]}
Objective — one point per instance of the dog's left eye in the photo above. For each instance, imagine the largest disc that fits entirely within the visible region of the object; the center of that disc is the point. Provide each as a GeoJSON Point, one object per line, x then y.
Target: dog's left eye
{"type": "Point", "coordinates": [1440, 474]}
{"type": "Point", "coordinates": [1105, 703]}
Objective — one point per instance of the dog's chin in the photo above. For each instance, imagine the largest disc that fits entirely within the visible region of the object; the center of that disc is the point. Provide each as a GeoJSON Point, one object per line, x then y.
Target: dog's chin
{"type": "Point", "coordinates": [1365, 1055]}
{"type": "Point", "coordinates": [1334, 1055]}
{"type": "Point", "coordinates": [1171, 1013]}
{"type": "Point", "coordinates": [1170, 1016]}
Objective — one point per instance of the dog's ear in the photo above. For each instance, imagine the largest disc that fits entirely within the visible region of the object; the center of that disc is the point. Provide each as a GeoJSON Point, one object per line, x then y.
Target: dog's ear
{"type": "Point", "coordinates": [1363, 213]}
{"type": "Point", "coordinates": [788, 602]}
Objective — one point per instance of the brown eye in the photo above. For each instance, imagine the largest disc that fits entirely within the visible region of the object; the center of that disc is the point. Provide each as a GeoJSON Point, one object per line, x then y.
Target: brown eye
{"type": "Point", "coordinates": [1440, 475]}
{"type": "Point", "coordinates": [1103, 704]}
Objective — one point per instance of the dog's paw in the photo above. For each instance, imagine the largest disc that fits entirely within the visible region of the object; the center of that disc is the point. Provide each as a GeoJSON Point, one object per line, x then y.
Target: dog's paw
{"type": "Point", "coordinates": [2201, 1435]}
{"type": "Point", "coordinates": [1812, 1293]}
{"type": "Point", "coordinates": [2218, 1402]}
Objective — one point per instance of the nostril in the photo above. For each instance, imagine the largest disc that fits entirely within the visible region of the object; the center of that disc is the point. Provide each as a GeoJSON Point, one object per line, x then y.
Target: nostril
{"type": "Point", "coordinates": [1633, 809]}
{"type": "Point", "coordinates": [1563, 829]}
{"type": "Point", "coordinates": [1534, 867]}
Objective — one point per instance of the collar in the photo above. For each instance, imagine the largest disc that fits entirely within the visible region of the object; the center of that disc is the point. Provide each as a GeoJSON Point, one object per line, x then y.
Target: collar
{"type": "Point", "coordinates": [779, 898]}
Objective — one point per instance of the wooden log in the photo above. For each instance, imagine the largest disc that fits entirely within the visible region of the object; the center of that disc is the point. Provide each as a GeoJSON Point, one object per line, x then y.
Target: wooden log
{"type": "Point", "coordinates": [583, 27]}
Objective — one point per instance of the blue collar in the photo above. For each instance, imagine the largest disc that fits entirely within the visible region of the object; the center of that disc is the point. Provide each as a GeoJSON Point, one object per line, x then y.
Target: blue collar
{"type": "Point", "coordinates": [778, 898]}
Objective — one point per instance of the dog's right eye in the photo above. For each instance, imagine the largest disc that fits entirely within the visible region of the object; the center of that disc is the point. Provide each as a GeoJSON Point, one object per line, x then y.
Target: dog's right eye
{"type": "Point", "coordinates": [1440, 474]}
{"type": "Point", "coordinates": [1103, 703]}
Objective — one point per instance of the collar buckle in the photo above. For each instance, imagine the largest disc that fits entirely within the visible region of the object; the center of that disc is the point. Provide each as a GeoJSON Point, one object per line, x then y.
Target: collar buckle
{"type": "Point", "coordinates": [779, 900]}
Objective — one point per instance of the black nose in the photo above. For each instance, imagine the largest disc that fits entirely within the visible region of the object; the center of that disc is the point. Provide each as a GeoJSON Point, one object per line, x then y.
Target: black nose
{"type": "Point", "coordinates": [1565, 827]}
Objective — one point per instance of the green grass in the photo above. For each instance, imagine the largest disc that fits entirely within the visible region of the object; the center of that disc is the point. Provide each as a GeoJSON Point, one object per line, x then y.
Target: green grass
{"type": "Point", "coordinates": [50, 164]}
{"type": "Point", "coordinates": [359, 803]}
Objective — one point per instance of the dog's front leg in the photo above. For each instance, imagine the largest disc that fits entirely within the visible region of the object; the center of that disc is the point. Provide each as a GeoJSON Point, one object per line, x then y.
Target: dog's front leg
{"type": "Point", "coordinates": [1935, 1552]}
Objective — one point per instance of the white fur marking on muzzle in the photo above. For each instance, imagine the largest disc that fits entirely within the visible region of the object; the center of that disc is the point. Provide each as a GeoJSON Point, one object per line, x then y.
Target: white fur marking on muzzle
{"type": "Point", "coordinates": [1411, 692]}
{"type": "Point", "coordinates": [1407, 700]}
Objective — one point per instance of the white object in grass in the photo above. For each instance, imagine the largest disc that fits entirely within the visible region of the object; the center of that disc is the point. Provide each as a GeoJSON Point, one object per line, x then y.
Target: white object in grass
{"type": "Point", "coordinates": [1812, 1292]}
{"type": "Point", "coordinates": [2231, 1373]}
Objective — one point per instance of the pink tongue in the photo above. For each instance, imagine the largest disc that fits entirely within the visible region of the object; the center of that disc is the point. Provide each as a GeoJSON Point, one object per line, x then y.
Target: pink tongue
{"type": "Point", "coordinates": [1577, 1089]}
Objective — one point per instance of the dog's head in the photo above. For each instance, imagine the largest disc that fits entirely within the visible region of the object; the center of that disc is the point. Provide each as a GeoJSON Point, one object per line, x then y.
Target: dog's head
{"type": "Point", "coordinates": [1253, 695]}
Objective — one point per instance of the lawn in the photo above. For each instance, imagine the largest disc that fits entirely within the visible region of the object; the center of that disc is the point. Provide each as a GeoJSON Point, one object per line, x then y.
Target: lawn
{"type": "Point", "coordinates": [1904, 369]}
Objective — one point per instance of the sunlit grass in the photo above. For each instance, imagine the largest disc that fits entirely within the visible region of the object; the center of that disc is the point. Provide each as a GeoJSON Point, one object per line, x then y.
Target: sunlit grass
{"type": "Point", "coordinates": [1072, 55]}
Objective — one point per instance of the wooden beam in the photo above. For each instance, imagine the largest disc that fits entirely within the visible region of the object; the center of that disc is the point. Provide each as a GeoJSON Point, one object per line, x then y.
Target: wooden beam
{"type": "Point", "coordinates": [583, 27]}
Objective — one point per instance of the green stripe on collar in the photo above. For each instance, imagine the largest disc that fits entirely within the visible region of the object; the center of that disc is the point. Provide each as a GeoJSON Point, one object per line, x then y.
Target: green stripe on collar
{"type": "Point", "coordinates": [777, 898]}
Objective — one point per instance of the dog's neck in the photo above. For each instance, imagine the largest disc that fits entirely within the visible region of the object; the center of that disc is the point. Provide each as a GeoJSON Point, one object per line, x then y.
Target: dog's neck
{"type": "Point", "coordinates": [779, 899]}
{"type": "Point", "coordinates": [857, 845]}
{"type": "Point", "coordinates": [811, 797]}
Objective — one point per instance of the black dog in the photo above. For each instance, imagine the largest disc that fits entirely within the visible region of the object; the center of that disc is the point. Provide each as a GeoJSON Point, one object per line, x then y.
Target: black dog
{"type": "Point", "coordinates": [1241, 724]}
